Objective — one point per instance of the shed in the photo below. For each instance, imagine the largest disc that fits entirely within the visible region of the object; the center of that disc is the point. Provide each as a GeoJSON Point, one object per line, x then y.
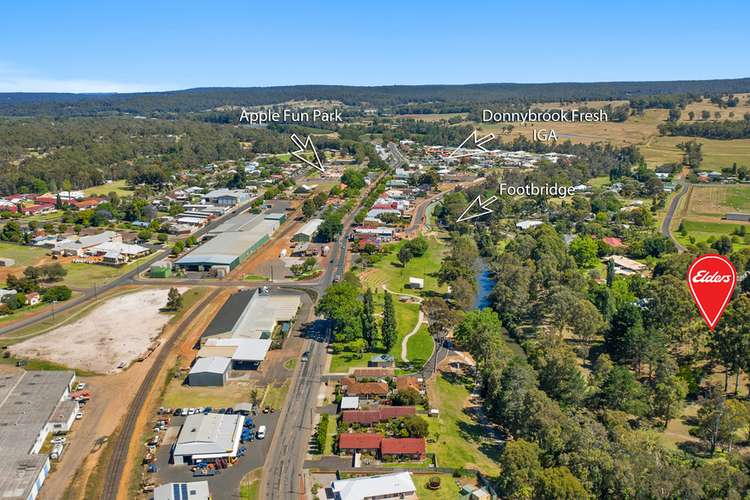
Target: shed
{"type": "Point", "coordinates": [307, 231]}
{"type": "Point", "coordinates": [417, 283]}
{"type": "Point", "coordinates": [349, 403]}
{"type": "Point", "coordinates": [209, 372]}
{"type": "Point", "coordinates": [381, 361]}
{"type": "Point", "coordinates": [7, 262]}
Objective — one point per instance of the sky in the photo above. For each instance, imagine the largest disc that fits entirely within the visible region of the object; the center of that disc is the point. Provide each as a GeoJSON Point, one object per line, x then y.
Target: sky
{"type": "Point", "coordinates": [134, 46]}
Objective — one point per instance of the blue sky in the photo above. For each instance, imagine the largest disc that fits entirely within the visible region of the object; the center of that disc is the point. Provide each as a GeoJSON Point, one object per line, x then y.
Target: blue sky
{"type": "Point", "coordinates": [88, 46]}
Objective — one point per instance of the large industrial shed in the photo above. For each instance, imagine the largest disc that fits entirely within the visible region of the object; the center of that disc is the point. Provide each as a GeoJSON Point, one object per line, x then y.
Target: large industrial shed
{"type": "Point", "coordinates": [228, 249]}
{"type": "Point", "coordinates": [307, 231]}
{"type": "Point", "coordinates": [209, 372]}
{"type": "Point", "coordinates": [208, 437]}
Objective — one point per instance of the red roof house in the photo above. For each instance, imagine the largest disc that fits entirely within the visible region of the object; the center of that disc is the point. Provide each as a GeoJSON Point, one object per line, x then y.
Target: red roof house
{"type": "Point", "coordinates": [380, 414]}
{"type": "Point", "coordinates": [403, 447]}
{"type": "Point", "coordinates": [613, 242]}
{"type": "Point", "coordinates": [360, 441]}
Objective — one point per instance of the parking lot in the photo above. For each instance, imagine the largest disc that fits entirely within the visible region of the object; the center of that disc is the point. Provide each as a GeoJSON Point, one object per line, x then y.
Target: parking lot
{"type": "Point", "coordinates": [225, 484]}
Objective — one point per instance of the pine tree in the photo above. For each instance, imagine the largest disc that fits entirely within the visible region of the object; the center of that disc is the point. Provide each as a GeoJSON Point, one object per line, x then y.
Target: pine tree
{"type": "Point", "coordinates": [174, 300]}
{"type": "Point", "coordinates": [610, 272]}
{"type": "Point", "coordinates": [388, 330]}
{"type": "Point", "coordinates": [369, 329]}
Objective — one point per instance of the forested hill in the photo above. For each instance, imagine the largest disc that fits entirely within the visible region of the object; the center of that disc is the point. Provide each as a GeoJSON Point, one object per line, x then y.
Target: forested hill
{"type": "Point", "coordinates": [201, 99]}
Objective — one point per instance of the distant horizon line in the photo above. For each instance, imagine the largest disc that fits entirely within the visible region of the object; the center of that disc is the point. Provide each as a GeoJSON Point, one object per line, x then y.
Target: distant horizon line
{"type": "Point", "coordinates": [309, 85]}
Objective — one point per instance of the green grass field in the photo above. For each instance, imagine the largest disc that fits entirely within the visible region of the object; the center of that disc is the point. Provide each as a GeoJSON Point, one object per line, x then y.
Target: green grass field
{"type": "Point", "coordinates": [178, 395]}
{"type": "Point", "coordinates": [716, 154]}
{"type": "Point", "coordinates": [458, 436]}
{"type": "Point", "coordinates": [120, 187]}
{"type": "Point", "coordinates": [23, 255]}
{"type": "Point", "coordinates": [447, 491]}
{"type": "Point", "coordinates": [388, 270]}
{"type": "Point", "coordinates": [407, 316]}
{"type": "Point", "coordinates": [87, 275]}
{"type": "Point", "coordinates": [419, 346]}
{"type": "Point", "coordinates": [702, 231]}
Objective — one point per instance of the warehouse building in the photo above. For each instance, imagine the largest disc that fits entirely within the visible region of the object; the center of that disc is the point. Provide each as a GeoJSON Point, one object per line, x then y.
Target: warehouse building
{"type": "Point", "coordinates": [226, 197]}
{"type": "Point", "coordinates": [210, 371]}
{"type": "Point", "coordinates": [396, 485]}
{"type": "Point", "coordinates": [208, 437]}
{"type": "Point", "coordinates": [307, 231]}
{"type": "Point", "coordinates": [228, 249]}
{"type": "Point", "coordinates": [245, 354]}
{"type": "Point", "coordinates": [30, 409]}
{"type": "Point", "coordinates": [250, 314]}
{"type": "Point", "coordinates": [197, 490]}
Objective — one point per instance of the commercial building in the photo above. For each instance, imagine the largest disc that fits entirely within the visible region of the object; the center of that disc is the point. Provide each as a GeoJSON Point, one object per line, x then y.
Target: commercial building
{"type": "Point", "coordinates": [197, 490]}
{"type": "Point", "coordinates": [208, 437]}
{"type": "Point", "coordinates": [307, 231]}
{"type": "Point", "coordinates": [30, 409]}
{"type": "Point", "coordinates": [397, 485]}
{"type": "Point", "coordinates": [228, 249]}
{"type": "Point", "coordinates": [211, 371]}
{"type": "Point", "coordinates": [245, 354]}
{"type": "Point", "coordinates": [226, 197]}
{"type": "Point", "coordinates": [258, 317]}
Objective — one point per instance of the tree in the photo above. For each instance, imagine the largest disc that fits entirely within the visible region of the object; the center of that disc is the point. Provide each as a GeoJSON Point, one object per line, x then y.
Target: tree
{"type": "Point", "coordinates": [719, 419]}
{"type": "Point", "coordinates": [416, 426]}
{"type": "Point", "coordinates": [174, 300]}
{"type": "Point", "coordinates": [730, 343]}
{"type": "Point", "coordinates": [521, 469]}
{"type": "Point", "coordinates": [388, 328]}
{"type": "Point", "coordinates": [560, 484]}
{"type": "Point", "coordinates": [178, 247]}
{"type": "Point", "coordinates": [308, 208]}
{"type": "Point", "coordinates": [58, 293]}
{"type": "Point", "coordinates": [584, 250]}
{"type": "Point", "coordinates": [418, 246]}
{"type": "Point", "coordinates": [342, 306]}
{"type": "Point", "coordinates": [669, 391]}
{"type": "Point", "coordinates": [404, 255]}
{"type": "Point", "coordinates": [12, 232]}
{"type": "Point", "coordinates": [559, 375]}
{"type": "Point", "coordinates": [481, 333]}
{"type": "Point", "coordinates": [369, 327]}
{"type": "Point", "coordinates": [463, 293]}
{"type": "Point", "coordinates": [406, 397]}
{"type": "Point", "coordinates": [621, 391]}
{"type": "Point", "coordinates": [353, 178]}
{"type": "Point", "coordinates": [723, 245]}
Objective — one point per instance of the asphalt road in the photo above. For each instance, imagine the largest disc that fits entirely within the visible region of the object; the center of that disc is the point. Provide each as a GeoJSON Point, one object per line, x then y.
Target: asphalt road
{"type": "Point", "coordinates": [684, 188]}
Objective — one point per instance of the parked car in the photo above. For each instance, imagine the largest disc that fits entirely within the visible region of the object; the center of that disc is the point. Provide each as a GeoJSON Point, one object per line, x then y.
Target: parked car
{"type": "Point", "coordinates": [81, 386]}
{"type": "Point", "coordinates": [261, 432]}
{"type": "Point", "coordinates": [79, 415]}
{"type": "Point", "coordinates": [305, 356]}
{"type": "Point", "coordinates": [58, 440]}
{"type": "Point", "coordinates": [207, 410]}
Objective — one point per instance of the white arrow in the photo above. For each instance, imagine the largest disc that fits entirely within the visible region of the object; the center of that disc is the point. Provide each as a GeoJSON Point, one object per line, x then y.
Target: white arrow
{"type": "Point", "coordinates": [477, 141]}
{"type": "Point", "coordinates": [483, 206]}
{"type": "Point", "coordinates": [302, 146]}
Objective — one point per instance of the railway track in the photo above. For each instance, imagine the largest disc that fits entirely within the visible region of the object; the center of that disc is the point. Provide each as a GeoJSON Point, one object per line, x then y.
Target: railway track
{"type": "Point", "coordinates": [116, 465]}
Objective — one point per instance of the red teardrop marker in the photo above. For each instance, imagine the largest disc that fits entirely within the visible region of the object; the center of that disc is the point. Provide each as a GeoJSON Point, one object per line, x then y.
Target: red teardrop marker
{"type": "Point", "coordinates": [711, 279]}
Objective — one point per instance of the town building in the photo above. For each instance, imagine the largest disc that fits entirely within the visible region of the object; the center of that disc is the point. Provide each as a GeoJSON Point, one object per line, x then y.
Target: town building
{"type": "Point", "coordinates": [197, 490]}
{"type": "Point", "coordinates": [211, 371]}
{"type": "Point", "coordinates": [626, 266]}
{"type": "Point", "coordinates": [226, 197]}
{"type": "Point", "coordinates": [307, 231]}
{"type": "Point", "coordinates": [208, 437]}
{"type": "Point", "coordinates": [30, 409]}
{"type": "Point", "coordinates": [396, 485]}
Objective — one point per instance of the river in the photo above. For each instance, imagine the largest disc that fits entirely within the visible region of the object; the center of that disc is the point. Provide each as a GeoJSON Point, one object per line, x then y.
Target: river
{"type": "Point", "coordinates": [485, 284]}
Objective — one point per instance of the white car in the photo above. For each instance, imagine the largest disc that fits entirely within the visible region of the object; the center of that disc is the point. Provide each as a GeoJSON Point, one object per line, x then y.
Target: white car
{"type": "Point", "coordinates": [79, 415]}
{"type": "Point", "coordinates": [191, 411]}
{"type": "Point", "coordinates": [261, 432]}
{"type": "Point", "coordinates": [81, 386]}
{"type": "Point", "coordinates": [58, 440]}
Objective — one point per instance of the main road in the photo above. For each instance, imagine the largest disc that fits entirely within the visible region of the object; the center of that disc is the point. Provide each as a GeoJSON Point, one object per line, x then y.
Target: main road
{"type": "Point", "coordinates": [667, 222]}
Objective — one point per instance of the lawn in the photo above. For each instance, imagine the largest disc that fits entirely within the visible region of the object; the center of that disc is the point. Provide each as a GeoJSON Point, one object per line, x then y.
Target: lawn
{"type": "Point", "coordinates": [419, 346]}
{"type": "Point", "coordinates": [276, 395]}
{"type": "Point", "coordinates": [598, 182]}
{"type": "Point", "coordinates": [447, 491]}
{"type": "Point", "coordinates": [459, 438]}
{"type": "Point", "coordinates": [407, 315]}
{"type": "Point", "coordinates": [388, 270]}
{"type": "Point", "coordinates": [23, 255]}
{"type": "Point", "coordinates": [702, 231]}
{"type": "Point", "coordinates": [716, 200]}
{"type": "Point", "coordinates": [250, 486]}
{"type": "Point", "coordinates": [185, 396]}
{"type": "Point", "coordinates": [120, 187]}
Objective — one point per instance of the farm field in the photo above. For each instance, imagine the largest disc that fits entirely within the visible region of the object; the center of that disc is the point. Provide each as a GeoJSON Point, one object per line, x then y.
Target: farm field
{"type": "Point", "coordinates": [706, 105]}
{"type": "Point", "coordinates": [22, 254]}
{"type": "Point", "coordinates": [701, 231]}
{"type": "Point", "coordinates": [718, 200]}
{"type": "Point", "coordinates": [716, 154]}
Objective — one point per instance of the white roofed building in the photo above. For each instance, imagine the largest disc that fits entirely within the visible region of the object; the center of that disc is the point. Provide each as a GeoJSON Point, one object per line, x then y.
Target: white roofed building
{"type": "Point", "coordinates": [398, 485]}
{"type": "Point", "coordinates": [208, 437]}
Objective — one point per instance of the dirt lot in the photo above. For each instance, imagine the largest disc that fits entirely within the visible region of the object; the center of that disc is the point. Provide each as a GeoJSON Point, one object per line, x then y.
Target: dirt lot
{"type": "Point", "coordinates": [118, 331]}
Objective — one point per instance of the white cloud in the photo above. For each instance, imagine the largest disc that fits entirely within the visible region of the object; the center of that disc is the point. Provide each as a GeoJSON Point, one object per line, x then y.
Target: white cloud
{"type": "Point", "coordinates": [13, 79]}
